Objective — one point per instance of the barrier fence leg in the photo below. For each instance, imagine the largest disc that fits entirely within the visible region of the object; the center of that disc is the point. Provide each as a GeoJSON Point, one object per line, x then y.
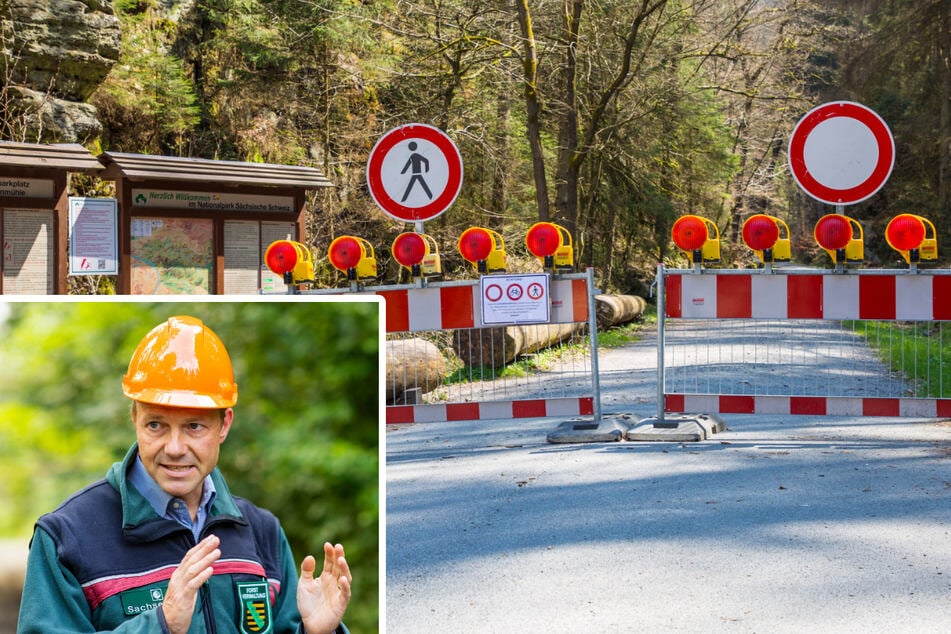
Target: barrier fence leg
{"type": "Point", "coordinates": [661, 313]}
{"type": "Point", "coordinates": [598, 429]}
{"type": "Point", "coordinates": [593, 339]}
{"type": "Point", "coordinates": [681, 427]}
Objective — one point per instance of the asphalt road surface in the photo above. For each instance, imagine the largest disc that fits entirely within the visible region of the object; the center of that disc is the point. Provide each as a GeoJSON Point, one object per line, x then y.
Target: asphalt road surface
{"type": "Point", "coordinates": [777, 524]}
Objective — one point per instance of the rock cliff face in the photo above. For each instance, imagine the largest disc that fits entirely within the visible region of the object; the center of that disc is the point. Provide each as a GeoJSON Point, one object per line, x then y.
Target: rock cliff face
{"type": "Point", "coordinates": [55, 54]}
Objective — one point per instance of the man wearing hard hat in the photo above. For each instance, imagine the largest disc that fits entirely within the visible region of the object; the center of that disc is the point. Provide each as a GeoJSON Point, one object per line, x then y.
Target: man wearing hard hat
{"type": "Point", "coordinates": [160, 544]}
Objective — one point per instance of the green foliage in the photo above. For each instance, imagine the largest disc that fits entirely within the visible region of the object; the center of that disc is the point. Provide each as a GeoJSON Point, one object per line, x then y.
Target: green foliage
{"type": "Point", "coordinates": [305, 443]}
{"type": "Point", "coordinates": [148, 89]}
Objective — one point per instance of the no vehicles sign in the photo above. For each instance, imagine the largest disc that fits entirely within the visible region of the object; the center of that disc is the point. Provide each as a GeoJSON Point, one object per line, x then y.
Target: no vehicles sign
{"type": "Point", "coordinates": [841, 153]}
{"type": "Point", "coordinates": [515, 299]}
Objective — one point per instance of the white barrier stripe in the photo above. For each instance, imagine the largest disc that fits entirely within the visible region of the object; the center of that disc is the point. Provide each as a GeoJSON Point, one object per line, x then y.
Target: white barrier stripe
{"type": "Point", "coordinates": [840, 297]}
{"type": "Point", "coordinates": [425, 309]}
{"type": "Point", "coordinates": [770, 298]}
{"type": "Point", "coordinates": [914, 299]}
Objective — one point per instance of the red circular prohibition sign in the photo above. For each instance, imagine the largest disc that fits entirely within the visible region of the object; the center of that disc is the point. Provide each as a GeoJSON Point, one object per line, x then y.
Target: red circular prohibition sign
{"type": "Point", "coordinates": [807, 179]}
{"type": "Point", "coordinates": [375, 172]}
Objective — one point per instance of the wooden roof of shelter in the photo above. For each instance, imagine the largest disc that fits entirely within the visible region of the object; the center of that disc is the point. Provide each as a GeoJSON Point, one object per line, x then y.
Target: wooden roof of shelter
{"type": "Point", "coordinates": [144, 167]}
{"type": "Point", "coordinates": [71, 157]}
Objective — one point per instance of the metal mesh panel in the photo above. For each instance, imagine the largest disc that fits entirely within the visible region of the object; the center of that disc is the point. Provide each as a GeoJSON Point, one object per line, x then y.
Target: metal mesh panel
{"type": "Point", "coordinates": [805, 358]}
{"type": "Point", "coordinates": [479, 366]}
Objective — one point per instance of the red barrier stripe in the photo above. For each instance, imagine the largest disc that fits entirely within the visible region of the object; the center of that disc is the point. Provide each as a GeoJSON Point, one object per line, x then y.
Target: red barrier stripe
{"type": "Point", "coordinates": [673, 296]}
{"type": "Point", "coordinates": [877, 297]}
{"type": "Point", "coordinates": [733, 404]}
{"type": "Point", "coordinates": [941, 297]}
{"type": "Point", "coordinates": [734, 297]}
{"type": "Point", "coordinates": [807, 405]}
{"type": "Point", "coordinates": [880, 407]}
{"type": "Point", "coordinates": [579, 300]}
{"type": "Point", "coordinates": [456, 307]}
{"type": "Point", "coordinates": [804, 297]}
{"type": "Point", "coordinates": [397, 310]}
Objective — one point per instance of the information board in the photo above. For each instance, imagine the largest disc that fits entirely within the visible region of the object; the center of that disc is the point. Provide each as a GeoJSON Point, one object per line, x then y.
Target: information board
{"type": "Point", "coordinates": [172, 256]}
{"type": "Point", "coordinates": [27, 252]}
{"type": "Point", "coordinates": [242, 256]}
{"type": "Point", "coordinates": [93, 236]}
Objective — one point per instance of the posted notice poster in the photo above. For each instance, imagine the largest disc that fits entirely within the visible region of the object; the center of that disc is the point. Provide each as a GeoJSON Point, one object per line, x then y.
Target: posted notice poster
{"type": "Point", "coordinates": [515, 299]}
{"type": "Point", "coordinates": [27, 251]}
{"type": "Point", "coordinates": [93, 236]}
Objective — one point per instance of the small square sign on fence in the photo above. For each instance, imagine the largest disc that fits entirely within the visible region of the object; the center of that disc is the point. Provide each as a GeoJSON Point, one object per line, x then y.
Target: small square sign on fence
{"type": "Point", "coordinates": [515, 299]}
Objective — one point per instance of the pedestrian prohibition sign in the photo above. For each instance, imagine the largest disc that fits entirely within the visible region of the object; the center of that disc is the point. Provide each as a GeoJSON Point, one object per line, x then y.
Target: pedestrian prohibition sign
{"type": "Point", "coordinates": [414, 172]}
{"type": "Point", "coordinates": [841, 153]}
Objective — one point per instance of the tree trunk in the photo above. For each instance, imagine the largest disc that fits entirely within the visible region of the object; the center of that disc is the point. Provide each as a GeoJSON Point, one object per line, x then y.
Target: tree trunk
{"type": "Point", "coordinates": [533, 109]}
{"type": "Point", "coordinates": [412, 364]}
{"type": "Point", "coordinates": [614, 310]}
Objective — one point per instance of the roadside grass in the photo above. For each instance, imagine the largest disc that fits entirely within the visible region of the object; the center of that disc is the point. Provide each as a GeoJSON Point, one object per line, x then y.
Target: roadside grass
{"type": "Point", "coordinates": [918, 350]}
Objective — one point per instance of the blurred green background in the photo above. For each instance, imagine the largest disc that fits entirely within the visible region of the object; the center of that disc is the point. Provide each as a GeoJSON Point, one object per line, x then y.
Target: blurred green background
{"type": "Point", "coordinates": [304, 444]}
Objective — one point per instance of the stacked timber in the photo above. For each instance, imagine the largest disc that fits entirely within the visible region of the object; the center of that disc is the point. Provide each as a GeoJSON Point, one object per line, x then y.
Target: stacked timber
{"type": "Point", "coordinates": [497, 346]}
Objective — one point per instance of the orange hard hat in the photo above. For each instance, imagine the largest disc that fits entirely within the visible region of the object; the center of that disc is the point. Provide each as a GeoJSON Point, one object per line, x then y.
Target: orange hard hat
{"type": "Point", "coordinates": [181, 363]}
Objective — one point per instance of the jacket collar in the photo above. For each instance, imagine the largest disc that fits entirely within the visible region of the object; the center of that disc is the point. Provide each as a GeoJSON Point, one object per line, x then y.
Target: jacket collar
{"type": "Point", "coordinates": [140, 521]}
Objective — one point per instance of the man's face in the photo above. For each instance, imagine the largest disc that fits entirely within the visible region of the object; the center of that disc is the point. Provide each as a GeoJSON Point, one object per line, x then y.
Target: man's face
{"type": "Point", "coordinates": [179, 446]}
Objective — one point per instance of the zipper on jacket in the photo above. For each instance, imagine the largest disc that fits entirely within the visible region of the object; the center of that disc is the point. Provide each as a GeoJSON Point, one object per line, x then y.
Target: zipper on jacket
{"type": "Point", "coordinates": [206, 609]}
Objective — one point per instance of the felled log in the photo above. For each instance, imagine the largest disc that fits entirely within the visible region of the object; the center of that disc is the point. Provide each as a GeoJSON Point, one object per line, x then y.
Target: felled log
{"type": "Point", "coordinates": [412, 364]}
{"type": "Point", "coordinates": [614, 310]}
{"type": "Point", "coordinates": [497, 346]}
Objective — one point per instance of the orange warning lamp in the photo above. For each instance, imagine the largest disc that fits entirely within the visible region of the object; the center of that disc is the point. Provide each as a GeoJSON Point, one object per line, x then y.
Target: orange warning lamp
{"type": "Point", "coordinates": [768, 237]}
{"type": "Point", "coordinates": [484, 248]}
{"type": "Point", "coordinates": [908, 234]}
{"type": "Point", "coordinates": [699, 237]}
{"type": "Point", "coordinates": [291, 260]}
{"type": "Point", "coordinates": [353, 256]}
{"type": "Point", "coordinates": [836, 234]}
{"type": "Point", "coordinates": [418, 253]}
{"type": "Point", "coordinates": [551, 243]}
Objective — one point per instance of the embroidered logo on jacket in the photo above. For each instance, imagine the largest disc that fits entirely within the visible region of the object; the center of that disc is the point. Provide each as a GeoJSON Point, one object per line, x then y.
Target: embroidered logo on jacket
{"type": "Point", "coordinates": [141, 600]}
{"type": "Point", "coordinates": [255, 604]}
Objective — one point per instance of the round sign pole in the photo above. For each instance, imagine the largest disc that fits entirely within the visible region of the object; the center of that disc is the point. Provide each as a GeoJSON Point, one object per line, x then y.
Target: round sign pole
{"type": "Point", "coordinates": [841, 153]}
{"type": "Point", "coordinates": [414, 173]}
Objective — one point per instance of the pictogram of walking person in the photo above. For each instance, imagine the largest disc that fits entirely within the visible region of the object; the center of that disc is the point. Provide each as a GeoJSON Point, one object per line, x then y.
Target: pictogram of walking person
{"type": "Point", "coordinates": [417, 164]}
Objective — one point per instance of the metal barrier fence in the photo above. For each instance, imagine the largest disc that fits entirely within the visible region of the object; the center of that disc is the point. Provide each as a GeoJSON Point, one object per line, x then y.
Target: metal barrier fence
{"type": "Point", "coordinates": [449, 316]}
{"type": "Point", "coordinates": [799, 341]}
{"type": "Point", "coordinates": [444, 321]}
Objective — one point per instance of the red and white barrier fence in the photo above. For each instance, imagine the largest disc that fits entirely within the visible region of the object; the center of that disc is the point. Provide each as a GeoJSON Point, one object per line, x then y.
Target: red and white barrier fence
{"type": "Point", "coordinates": [790, 348]}
{"type": "Point", "coordinates": [454, 306]}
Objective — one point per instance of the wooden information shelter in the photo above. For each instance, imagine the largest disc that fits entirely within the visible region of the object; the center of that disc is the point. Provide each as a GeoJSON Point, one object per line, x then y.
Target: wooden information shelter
{"type": "Point", "coordinates": [34, 214]}
{"type": "Point", "coordinates": [199, 226]}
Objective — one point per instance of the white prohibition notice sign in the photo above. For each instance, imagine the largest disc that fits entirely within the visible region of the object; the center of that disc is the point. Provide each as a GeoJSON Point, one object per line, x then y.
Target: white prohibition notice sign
{"type": "Point", "coordinates": [515, 299]}
{"type": "Point", "coordinates": [841, 153]}
{"type": "Point", "coordinates": [414, 172]}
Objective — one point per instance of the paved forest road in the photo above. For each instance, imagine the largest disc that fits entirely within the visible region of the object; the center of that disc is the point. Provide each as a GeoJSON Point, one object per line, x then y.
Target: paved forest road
{"type": "Point", "coordinates": [779, 524]}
